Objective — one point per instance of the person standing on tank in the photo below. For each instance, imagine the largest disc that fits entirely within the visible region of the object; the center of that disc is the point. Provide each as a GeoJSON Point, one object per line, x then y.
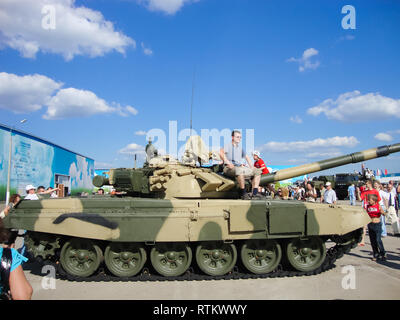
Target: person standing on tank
{"type": "Point", "coordinates": [232, 155]}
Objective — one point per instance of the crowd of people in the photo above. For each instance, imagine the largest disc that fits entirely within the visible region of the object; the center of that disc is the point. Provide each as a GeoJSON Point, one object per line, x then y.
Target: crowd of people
{"type": "Point", "coordinates": [305, 191]}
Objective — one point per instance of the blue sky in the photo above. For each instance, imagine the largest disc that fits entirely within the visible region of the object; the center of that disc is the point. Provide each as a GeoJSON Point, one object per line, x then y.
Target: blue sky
{"type": "Point", "coordinates": [110, 70]}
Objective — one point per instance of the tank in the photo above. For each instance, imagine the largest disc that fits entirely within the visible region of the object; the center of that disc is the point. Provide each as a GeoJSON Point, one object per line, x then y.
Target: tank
{"type": "Point", "coordinates": [343, 181]}
{"type": "Point", "coordinates": [322, 180]}
{"type": "Point", "coordinates": [181, 220]}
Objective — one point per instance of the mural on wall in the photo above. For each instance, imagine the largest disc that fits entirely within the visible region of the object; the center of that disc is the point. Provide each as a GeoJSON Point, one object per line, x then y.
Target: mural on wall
{"type": "Point", "coordinates": [41, 164]}
{"type": "Point", "coordinates": [31, 163]}
{"type": "Point", "coordinates": [81, 172]}
{"type": "Point", "coordinates": [4, 151]}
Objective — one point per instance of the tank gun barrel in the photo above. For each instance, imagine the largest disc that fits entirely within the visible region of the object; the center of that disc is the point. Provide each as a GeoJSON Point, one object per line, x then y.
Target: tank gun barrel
{"type": "Point", "coordinates": [365, 155]}
{"type": "Point", "coordinates": [99, 181]}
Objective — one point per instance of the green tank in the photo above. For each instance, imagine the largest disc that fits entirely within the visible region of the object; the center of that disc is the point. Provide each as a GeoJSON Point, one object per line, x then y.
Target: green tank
{"type": "Point", "coordinates": [178, 220]}
{"type": "Point", "coordinates": [322, 180]}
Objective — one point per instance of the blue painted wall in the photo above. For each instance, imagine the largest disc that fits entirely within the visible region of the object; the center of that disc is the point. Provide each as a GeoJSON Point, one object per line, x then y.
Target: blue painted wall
{"type": "Point", "coordinates": [37, 162]}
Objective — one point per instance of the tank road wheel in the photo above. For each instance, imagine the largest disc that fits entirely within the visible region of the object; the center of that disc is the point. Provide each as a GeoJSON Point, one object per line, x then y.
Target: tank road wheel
{"type": "Point", "coordinates": [306, 254]}
{"type": "Point", "coordinates": [124, 259]}
{"type": "Point", "coordinates": [216, 258]}
{"type": "Point", "coordinates": [171, 259]}
{"type": "Point", "coordinates": [261, 256]}
{"type": "Point", "coordinates": [80, 257]}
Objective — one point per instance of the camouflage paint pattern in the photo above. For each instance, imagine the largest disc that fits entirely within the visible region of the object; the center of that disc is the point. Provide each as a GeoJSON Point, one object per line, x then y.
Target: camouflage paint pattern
{"type": "Point", "coordinates": [145, 220]}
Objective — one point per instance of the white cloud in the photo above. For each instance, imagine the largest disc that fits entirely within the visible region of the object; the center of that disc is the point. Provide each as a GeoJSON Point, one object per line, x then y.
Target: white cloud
{"type": "Point", "coordinates": [306, 146]}
{"type": "Point", "coordinates": [305, 61]}
{"type": "Point", "coordinates": [24, 94]}
{"type": "Point", "coordinates": [77, 30]}
{"type": "Point", "coordinates": [355, 107]}
{"type": "Point", "coordinates": [140, 133]}
{"type": "Point", "coordinates": [296, 119]}
{"type": "Point", "coordinates": [383, 137]}
{"type": "Point", "coordinates": [169, 7]}
{"type": "Point", "coordinates": [102, 165]}
{"type": "Point", "coordinates": [324, 155]}
{"type": "Point", "coordinates": [71, 102]}
{"type": "Point", "coordinates": [131, 110]}
{"type": "Point", "coordinates": [124, 111]}
{"type": "Point", "coordinates": [296, 160]}
{"type": "Point", "coordinates": [146, 51]}
{"type": "Point", "coordinates": [132, 148]}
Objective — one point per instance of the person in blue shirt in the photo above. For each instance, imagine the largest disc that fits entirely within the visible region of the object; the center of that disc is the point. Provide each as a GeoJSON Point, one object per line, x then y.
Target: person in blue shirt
{"type": "Point", "coordinates": [20, 288]}
{"type": "Point", "coordinates": [351, 191]}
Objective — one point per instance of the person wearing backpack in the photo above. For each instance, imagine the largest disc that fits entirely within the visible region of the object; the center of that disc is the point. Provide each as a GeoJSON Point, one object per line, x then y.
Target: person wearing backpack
{"type": "Point", "coordinates": [13, 283]}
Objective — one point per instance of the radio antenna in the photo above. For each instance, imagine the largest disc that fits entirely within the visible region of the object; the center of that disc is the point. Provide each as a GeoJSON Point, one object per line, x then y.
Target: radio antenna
{"type": "Point", "coordinates": [191, 104]}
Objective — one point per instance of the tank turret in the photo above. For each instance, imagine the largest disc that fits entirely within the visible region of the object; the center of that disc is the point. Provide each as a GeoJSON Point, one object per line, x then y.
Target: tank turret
{"type": "Point", "coordinates": [165, 177]}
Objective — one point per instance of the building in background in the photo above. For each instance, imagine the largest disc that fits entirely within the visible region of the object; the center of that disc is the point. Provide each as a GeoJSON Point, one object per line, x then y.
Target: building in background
{"type": "Point", "coordinates": [385, 178]}
{"type": "Point", "coordinates": [39, 162]}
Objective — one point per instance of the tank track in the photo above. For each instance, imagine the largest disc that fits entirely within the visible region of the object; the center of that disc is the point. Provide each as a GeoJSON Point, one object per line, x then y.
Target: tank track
{"type": "Point", "coordinates": [102, 275]}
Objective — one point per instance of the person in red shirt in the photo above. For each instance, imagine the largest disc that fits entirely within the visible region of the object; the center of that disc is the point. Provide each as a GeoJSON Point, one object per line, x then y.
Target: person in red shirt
{"type": "Point", "coordinates": [259, 163]}
{"type": "Point", "coordinates": [364, 198]}
{"type": "Point", "coordinates": [369, 190]}
{"type": "Point", "coordinates": [375, 211]}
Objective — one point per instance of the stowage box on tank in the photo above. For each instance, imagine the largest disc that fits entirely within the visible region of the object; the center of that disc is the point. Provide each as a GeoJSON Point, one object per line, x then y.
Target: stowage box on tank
{"type": "Point", "coordinates": [176, 219]}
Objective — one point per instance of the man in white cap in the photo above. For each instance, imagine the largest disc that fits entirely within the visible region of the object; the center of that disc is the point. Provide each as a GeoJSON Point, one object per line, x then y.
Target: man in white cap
{"type": "Point", "coordinates": [31, 195]}
{"type": "Point", "coordinates": [330, 194]}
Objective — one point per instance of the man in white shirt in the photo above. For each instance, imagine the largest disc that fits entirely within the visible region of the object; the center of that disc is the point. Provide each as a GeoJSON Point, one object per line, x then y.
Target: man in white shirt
{"type": "Point", "coordinates": [392, 216]}
{"type": "Point", "coordinates": [330, 194]}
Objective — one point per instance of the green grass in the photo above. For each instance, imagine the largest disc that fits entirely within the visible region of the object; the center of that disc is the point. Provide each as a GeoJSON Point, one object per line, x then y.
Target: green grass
{"type": "Point", "coordinates": [80, 190]}
{"type": "Point", "coordinates": [3, 192]}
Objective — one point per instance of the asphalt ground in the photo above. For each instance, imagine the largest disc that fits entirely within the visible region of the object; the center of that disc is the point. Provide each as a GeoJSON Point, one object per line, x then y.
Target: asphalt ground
{"type": "Point", "coordinates": [355, 277]}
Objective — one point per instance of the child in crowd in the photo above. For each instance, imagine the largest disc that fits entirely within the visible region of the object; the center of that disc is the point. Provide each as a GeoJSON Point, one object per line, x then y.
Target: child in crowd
{"type": "Point", "coordinates": [375, 211]}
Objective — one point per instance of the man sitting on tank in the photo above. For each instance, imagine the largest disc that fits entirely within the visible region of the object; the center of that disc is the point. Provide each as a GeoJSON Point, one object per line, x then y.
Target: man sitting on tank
{"type": "Point", "coordinates": [232, 155]}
